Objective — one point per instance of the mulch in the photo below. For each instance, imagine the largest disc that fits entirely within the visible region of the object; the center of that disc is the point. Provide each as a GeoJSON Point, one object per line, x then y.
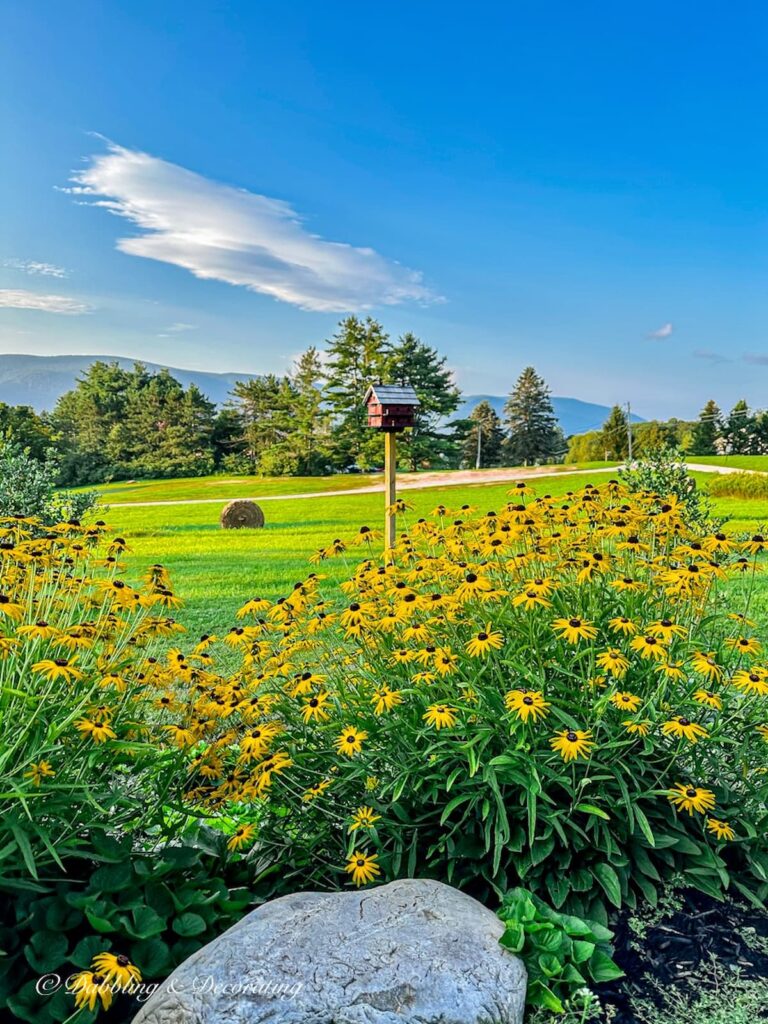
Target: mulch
{"type": "Point", "coordinates": [671, 953]}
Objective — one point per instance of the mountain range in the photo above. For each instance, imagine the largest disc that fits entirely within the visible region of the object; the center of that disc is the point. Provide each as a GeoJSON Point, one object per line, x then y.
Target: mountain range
{"type": "Point", "coordinates": [40, 380]}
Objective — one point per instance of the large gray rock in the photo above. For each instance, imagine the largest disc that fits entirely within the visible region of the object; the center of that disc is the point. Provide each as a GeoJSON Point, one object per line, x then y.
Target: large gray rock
{"type": "Point", "coordinates": [411, 952]}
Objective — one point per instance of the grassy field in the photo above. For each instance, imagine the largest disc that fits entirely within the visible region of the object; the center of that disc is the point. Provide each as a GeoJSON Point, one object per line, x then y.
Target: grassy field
{"type": "Point", "coordinates": [755, 462]}
{"type": "Point", "coordinates": [215, 571]}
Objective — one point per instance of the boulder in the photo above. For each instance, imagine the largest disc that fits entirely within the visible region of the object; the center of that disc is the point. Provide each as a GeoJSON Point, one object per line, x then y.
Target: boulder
{"type": "Point", "coordinates": [412, 951]}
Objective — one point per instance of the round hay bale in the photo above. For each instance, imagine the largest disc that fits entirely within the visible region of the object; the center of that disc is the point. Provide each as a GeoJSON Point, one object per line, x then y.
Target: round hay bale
{"type": "Point", "coordinates": [242, 514]}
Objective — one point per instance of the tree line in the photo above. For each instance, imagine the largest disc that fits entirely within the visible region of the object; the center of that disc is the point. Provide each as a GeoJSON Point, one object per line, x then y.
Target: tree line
{"type": "Point", "coordinates": [119, 423]}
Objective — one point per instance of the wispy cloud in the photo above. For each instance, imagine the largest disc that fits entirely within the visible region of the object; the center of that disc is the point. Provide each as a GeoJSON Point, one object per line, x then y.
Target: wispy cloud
{"type": "Point", "coordinates": [662, 332]}
{"type": "Point", "coordinates": [177, 328]}
{"type": "Point", "coordinates": [35, 268]}
{"type": "Point", "coordinates": [756, 358]}
{"type": "Point", "coordinates": [20, 299]}
{"type": "Point", "coordinates": [228, 234]}
{"type": "Point", "coordinates": [710, 356]}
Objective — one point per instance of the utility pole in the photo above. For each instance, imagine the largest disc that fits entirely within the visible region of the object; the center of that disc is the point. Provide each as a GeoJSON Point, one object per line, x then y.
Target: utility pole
{"type": "Point", "coordinates": [629, 435]}
{"type": "Point", "coordinates": [479, 458]}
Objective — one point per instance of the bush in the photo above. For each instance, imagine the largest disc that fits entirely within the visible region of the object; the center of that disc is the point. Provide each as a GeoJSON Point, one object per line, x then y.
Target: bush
{"type": "Point", "coordinates": [662, 472]}
{"type": "Point", "coordinates": [28, 488]}
{"type": "Point", "coordinates": [550, 695]}
{"type": "Point", "coordinates": [739, 485]}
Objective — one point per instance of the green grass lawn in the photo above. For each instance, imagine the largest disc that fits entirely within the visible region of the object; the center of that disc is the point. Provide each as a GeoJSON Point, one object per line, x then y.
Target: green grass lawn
{"type": "Point", "coordinates": [758, 462]}
{"type": "Point", "coordinates": [215, 571]}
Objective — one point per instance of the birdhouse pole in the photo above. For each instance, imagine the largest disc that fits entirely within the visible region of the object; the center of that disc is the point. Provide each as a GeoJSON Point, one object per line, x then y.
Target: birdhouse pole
{"type": "Point", "coordinates": [391, 408]}
{"type": "Point", "coordinates": [390, 488]}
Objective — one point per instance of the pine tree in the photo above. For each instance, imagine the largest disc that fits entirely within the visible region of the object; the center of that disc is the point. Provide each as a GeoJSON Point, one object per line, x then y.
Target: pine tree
{"type": "Point", "coordinates": [358, 355]}
{"type": "Point", "coordinates": [414, 363]}
{"type": "Point", "coordinates": [614, 434]}
{"type": "Point", "coordinates": [310, 438]}
{"type": "Point", "coordinates": [739, 434]}
{"type": "Point", "coordinates": [266, 408]}
{"type": "Point", "coordinates": [484, 442]}
{"type": "Point", "coordinates": [533, 434]}
{"type": "Point", "coordinates": [707, 431]}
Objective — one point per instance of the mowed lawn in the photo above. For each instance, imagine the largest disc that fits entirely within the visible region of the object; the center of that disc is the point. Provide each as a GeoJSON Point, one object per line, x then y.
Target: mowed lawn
{"type": "Point", "coordinates": [215, 571]}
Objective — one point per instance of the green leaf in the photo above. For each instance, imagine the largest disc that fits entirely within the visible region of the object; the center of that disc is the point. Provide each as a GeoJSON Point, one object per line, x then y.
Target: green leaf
{"type": "Point", "coordinates": [602, 968]}
{"type": "Point", "coordinates": [539, 994]}
{"type": "Point", "coordinates": [152, 957]}
{"type": "Point", "coordinates": [591, 809]}
{"type": "Point", "coordinates": [513, 937]}
{"type": "Point", "coordinates": [46, 951]}
{"type": "Point", "coordinates": [112, 877]}
{"type": "Point", "coordinates": [87, 948]}
{"type": "Point", "coordinates": [189, 924]}
{"type": "Point", "coordinates": [609, 881]}
{"type": "Point", "coordinates": [145, 923]}
{"type": "Point", "coordinates": [645, 827]}
{"type": "Point", "coordinates": [582, 950]}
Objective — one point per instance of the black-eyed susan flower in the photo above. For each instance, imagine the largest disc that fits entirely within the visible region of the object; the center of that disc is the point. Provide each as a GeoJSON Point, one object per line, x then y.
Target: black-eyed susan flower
{"type": "Point", "coordinates": [708, 698]}
{"type": "Point", "coordinates": [649, 646]}
{"type": "Point", "coordinates": [621, 624]}
{"type": "Point", "coordinates": [98, 731]}
{"type": "Point", "coordinates": [744, 644]}
{"type": "Point", "coordinates": [614, 661]}
{"type": "Point", "coordinates": [530, 599]}
{"type": "Point", "coordinates": [363, 867]}
{"type": "Point", "coordinates": [753, 680]}
{"type": "Point", "coordinates": [314, 708]}
{"type": "Point", "coordinates": [637, 727]}
{"type": "Point", "coordinates": [691, 798]}
{"type": "Point", "coordinates": [720, 829]}
{"type": "Point", "coordinates": [574, 629]}
{"type": "Point", "coordinates": [666, 629]}
{"type": "Point", "coordinates": [683, 728]}
{"type": "Point", "coordinates": [755, 544]}
{"type": "Point", "coordinates": [572, 743]}
{"type": "Point", "coordinates": [58, 668]}
{"type": "Point", "coordinates": [763, 732]}
{"type": "Point", "coordinates": [117, 968]}
{"type": "Point", "coordinates": [527, 704]}
{"type": "Point", "coordinates": [242, 835]}
{"type": "Point", "coordinates": [625, 701]}
{"type": "Point", "coordinates": [88, 988]}
{"type": "Point", "coordinates": [315, 790]}
{"type": "Point", "coordinates": [485, 640]}
{"type": "Point", "coordinates": [350, 741]}
{"type": "Point", "coordinates": [440, 716]}
{"type": "Point", "coordinates": [705, 664]}
{"type": "Point", "coordinates": [384, 699]}
{"type": "Point", "coordinates": [38, 772]}
{"type": "Point", "coordinates": [363, 817]}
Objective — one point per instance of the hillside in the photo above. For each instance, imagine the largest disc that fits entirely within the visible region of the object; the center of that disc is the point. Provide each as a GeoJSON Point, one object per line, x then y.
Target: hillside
{"type": "Point", "coordinates": [39, 380]}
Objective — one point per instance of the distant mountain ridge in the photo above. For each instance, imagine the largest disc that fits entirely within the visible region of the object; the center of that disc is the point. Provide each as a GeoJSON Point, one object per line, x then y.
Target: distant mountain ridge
{"type": "Point", "coordinates": [40, 380]}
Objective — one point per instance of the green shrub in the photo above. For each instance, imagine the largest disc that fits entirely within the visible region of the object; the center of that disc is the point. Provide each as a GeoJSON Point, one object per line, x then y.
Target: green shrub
{"type": "Point", "coordinates": [28, 488]}
{"type": "Point", "coordinates": [561, 953]}
{"type": "Point", "coordinates": [663, 472]}
{"type": "Point", "coordinates": [739, 485]}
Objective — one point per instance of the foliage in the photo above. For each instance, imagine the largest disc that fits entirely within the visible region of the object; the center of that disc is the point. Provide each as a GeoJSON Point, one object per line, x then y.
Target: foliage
{"type": "Point", "coordinates": [524, 695]}
{"type": "Point", "coordinates": [156, 906]}
{"type": "Point", "coordinates": [707, 431]}
{"type": "Point", "coordinates": [663, 473]}
{"type": "Point", "coordinates": [77, 653]}
{"type": "Point", "coordinates": [28, 488]}
{"type": "Point", "coordinates": [739, 485]}
{"type": "Point", "coordinates": [719, 994]}
{"type": "Point", "coordinates": [533, 433]}
{"type": "Point", "coordinates": [484, 441]}
{"type": "Point", "coordinates": [21, 425]}
{"type": "Point", "coordinates": [562, 953]}
{"type": "Point", "coordinates": [612, 441]}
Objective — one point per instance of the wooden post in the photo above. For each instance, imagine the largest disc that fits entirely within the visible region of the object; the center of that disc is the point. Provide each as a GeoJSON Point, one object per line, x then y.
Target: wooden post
{"type": "Point", "coordinates": [390, 493]}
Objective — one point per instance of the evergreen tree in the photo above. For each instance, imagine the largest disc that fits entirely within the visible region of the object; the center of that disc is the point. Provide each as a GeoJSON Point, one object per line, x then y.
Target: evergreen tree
{"type": "Point", "coordinates": [416, 364]}
{"type": "Point", "coordinates": [707, 431]}
{"type": "Point", "coordinates": [21, 425]}
{"type": "Point", "coordinates": [533, 434]}
{"type": "Point", "coordinates": [358, 355]}
{"type": "Point", "coordinates": [310, 420]}
{"type": "Point", "coordinates": [484, 442]}
{"type": "Point", "coordinates": [614, 435]}
{"type": "Point", "coordinates": [266, 408]}
{"type": "Point", "coordinates": [739, 430]}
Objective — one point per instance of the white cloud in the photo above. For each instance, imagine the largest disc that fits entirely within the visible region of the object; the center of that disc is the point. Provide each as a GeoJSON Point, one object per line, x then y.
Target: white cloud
{"type": "Point", "coordinates": [35, 268]}
{"type": "Point", "coordinates": [228, 234]}
{"type": "Point", "coordinates": [663, 332]}
{"type": "Point", "coordinates": [20, 299]}
{"type": "Point", "coordinates": [179, 328]}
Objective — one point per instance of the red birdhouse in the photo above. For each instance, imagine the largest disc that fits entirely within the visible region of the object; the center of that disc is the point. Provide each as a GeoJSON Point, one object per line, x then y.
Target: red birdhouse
{"type": "Point", "coordinates": [391, 407]}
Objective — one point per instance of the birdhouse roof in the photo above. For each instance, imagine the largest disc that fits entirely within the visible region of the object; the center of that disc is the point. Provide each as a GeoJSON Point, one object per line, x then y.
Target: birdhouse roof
{"type": "Point", "coordinates": [391, 394]}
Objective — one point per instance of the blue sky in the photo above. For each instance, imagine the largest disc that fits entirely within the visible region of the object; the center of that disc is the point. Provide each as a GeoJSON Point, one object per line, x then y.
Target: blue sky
{"type": "Point", "coordinates": [212, 184]}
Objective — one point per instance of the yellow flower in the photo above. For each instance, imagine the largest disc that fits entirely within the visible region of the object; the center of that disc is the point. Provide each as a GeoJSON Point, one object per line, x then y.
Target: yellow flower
{"type": "Point", "coordinates": [744, 645]}
{"type": "Point", "coordinates": [530, 599]}
{"type": "Point", "coordinates": [40, 771]}
{"type": "Point", "coordinates": [116, 968]}
{"type": "Point", "coordinates": [614, 662]}
{"type": "Point", "coordinates": [574, 629]}
{"type": "Point", "coordinates": [755, 545]}
{"type": "Point", "coordinates": [572, 743]}
{"type": "Point", "coordinates": [98, 731]}
{"type": "Point", "coordinates": [712, 700]}
{"type": "Point", "coordinates": [363, 867]}
{"type": "Point", "coordinates": [58, 668]}
{"type": "Point", "coordinates": [763, 730]}
{"type": "Point", "coordinates": [636, 728]}
{"type": "Point", "coordinates": [752, 681]}
{"type": "Point", "coordinates": [666, 629]}
{"type": "Point", "coordinates": [691, 798]}
{"type": "Point", "coordinates": [484, 641]}
{"type": "Point", "coordinates": [706, 665]}
{"type": "Point", "coordinates": [684, 728]}
{"type": "Point", "coordinates": [350, 742]}
{"type": "Point", "coordinates": [649, 647]}
{"type": "Point", "coordinates": [440, 716]}
{"type": "Point", "coordinates": [385, 699]}
{"type": "Point", "coordinates": [720, 829]}
{"type": "Point", "coordinates": [364, 817]}
{"type": "Point", "coordinates": [621, 624]}
{"type": "Point", "coordinates": [242, 835]}
{"type": "Point", "coordinates": [87, 987]}
{"type": "Point", "coordinates": [527, 704]}
{"type": "Point", "coordinates": [314, 708]}
{"type": "Point", "coordinates": [315, 790]}
{"type": "Point", "coordinates": [625, 701]}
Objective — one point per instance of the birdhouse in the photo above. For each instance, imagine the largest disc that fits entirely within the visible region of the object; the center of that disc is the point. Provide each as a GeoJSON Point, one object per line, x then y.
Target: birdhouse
{"type": "Point", "coordinates": [391, 407]}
